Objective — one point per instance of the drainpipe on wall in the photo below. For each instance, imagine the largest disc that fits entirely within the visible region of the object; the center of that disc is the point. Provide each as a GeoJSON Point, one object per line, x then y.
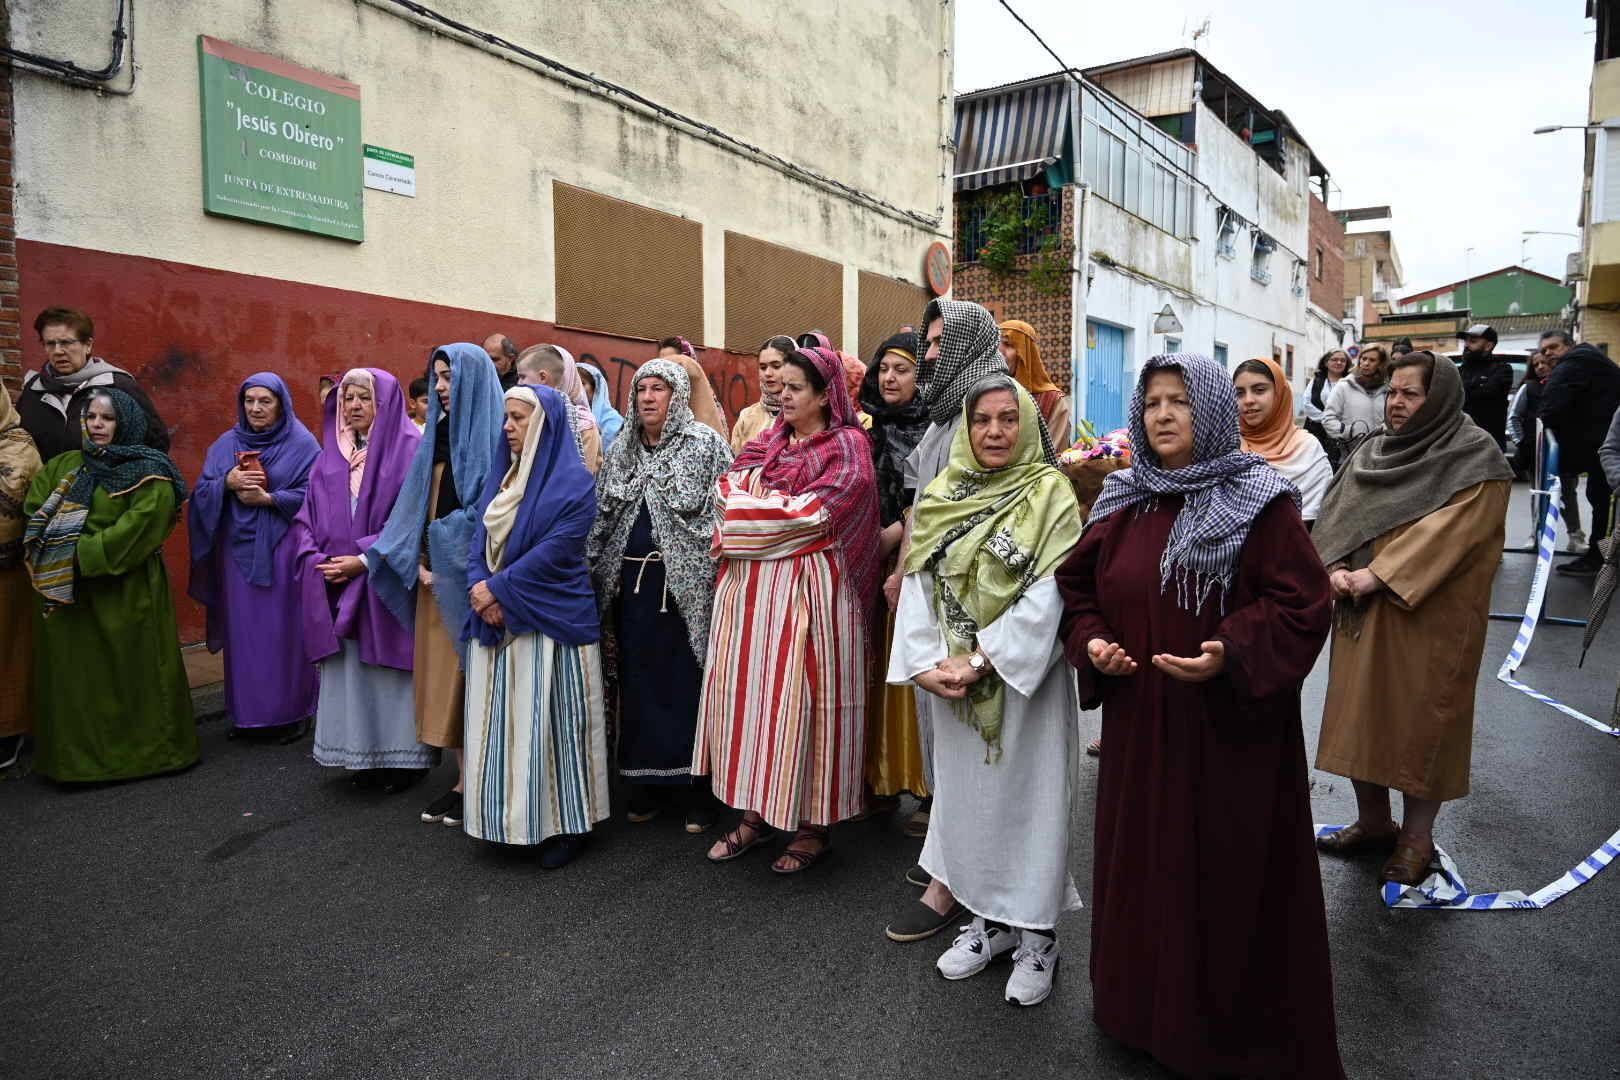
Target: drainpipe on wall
{"type": "Point", "coordinates": [1077, 312]}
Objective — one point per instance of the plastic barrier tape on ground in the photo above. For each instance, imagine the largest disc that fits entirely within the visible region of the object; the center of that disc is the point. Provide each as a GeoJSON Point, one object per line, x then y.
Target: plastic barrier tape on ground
{"type": "Point", "coordinates": [1444, 890]}
{"type": "Point", "coordinates": [1545, 545]}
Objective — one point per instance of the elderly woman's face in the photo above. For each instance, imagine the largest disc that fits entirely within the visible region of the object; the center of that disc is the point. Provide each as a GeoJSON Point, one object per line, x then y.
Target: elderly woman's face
{"type": "Point", "coordinates": [993, 428]}
{"type": "Point", "coordinates": [653, 396]}
{"type": "Point", "coordinates": [359, 408]}
{"type": "Point", "coordinates": [100, 421]}
{"type": "Point", "coordinates": [262, 407]}
{"type": "Point", "coordinates": [897, 378]}
{"type": "Point", "coordinates": [518, 415]}
{"type": "Point", "coordinates": [1167, 415]}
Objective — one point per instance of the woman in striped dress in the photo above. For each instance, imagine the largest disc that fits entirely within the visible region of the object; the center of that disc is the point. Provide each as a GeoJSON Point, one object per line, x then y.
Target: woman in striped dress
{"type": "Point", "coordinates": [782, 722]}
{"type": "Point", "coordinates": [536, 743]}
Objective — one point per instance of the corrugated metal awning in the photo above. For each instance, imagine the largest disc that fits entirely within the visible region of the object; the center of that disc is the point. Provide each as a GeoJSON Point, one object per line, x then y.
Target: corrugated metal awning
{"type": "Point", "coordinates": [1001, 138]}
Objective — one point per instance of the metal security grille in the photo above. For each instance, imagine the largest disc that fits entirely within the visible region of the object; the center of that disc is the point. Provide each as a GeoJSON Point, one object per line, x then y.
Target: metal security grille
{"type": "Point", "coordinates": [886, 306]}
{"type": "Point", "coordinates": [771, 289]}
{"type": "Point", "coordinates": [626, 269]}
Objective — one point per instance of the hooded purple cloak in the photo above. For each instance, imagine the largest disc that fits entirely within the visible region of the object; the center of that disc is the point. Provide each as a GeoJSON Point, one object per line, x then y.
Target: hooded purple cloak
{"type": "Point", "coordinates": [326, 527]}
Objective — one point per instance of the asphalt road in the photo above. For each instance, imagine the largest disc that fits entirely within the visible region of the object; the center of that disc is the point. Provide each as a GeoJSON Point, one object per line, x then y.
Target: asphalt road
{"type": "Point", "coordinates": [254, 917]}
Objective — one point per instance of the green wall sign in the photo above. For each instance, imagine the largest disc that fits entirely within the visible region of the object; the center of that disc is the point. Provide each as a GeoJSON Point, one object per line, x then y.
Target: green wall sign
{"type": "Point", "coordinates": [281, 143]}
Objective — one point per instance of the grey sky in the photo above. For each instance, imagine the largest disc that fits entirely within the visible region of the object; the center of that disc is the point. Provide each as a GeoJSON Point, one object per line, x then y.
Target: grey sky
{"type": "Point", "coordinates": [1425, 107]}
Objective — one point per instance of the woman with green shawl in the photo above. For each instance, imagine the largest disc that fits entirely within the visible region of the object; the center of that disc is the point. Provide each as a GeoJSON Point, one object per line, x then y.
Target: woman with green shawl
{"type": "Point", "coordinates": [977, 629]}
{"type": "Point", "coordinates": [97, 520]}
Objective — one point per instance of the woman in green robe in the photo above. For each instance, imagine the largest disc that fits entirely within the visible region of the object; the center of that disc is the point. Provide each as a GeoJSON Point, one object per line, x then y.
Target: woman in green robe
{"type": "Point", "coordinates": [93, 544]}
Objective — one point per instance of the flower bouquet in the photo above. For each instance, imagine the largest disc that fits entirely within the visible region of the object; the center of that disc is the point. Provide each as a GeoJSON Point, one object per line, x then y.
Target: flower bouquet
{"type": "Point", "coordinates": [1089, 461]}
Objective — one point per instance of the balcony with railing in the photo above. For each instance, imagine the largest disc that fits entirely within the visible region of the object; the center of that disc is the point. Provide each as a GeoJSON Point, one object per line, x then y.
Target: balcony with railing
{"type": "Point", "coordinates": [1042, 215]}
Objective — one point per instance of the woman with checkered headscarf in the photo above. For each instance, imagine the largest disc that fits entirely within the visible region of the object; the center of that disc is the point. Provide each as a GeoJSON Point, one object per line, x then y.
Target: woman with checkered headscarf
{"type": "Point", "coordinates": [1194, 607]}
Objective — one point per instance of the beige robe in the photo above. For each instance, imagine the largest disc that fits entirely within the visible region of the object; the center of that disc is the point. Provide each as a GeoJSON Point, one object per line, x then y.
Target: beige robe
{"type": "Point", "coordinates": [437, 681]}
{"type": "Point", "coordinates": [590, 449]}
{"type": "Point", "coordinates": [750, 422]}
{"type": "Point", "coordinates": [1400, 699]}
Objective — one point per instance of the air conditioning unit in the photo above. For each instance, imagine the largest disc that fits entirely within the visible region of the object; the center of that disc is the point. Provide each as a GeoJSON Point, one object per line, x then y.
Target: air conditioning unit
{"type": "Point", "coordinates": [1574, 268]}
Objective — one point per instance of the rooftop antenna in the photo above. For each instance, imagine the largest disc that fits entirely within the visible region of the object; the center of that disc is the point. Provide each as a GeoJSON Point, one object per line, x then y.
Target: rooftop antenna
{"type": "Point", "coordinates": [1201, 31]}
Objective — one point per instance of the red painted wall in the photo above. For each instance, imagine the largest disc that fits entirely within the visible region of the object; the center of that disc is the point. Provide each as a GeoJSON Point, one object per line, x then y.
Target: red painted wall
{"type": "Point", "coordinates": [191, 335]}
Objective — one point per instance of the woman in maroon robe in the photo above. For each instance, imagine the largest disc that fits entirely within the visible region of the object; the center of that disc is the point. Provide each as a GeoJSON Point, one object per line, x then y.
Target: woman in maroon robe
{"type": "Point", "coordinates": [1194, 607]}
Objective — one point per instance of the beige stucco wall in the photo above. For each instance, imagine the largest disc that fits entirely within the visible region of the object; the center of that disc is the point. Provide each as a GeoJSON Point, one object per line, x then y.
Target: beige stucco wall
{"type": "Point", "coordinates": [857, 99]}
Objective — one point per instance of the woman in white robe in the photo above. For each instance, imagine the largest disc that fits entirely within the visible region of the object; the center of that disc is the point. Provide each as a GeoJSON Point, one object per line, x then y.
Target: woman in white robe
{"type": "Point", "coordinates": [977, 629]}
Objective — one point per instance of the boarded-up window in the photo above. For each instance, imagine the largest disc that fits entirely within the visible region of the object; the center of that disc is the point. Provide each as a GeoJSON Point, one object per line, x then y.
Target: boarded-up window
{"type": "Point", "coordinates": [771, 289]}
{"type": "Point", "coordinates": [886, 306]}
{"type": "Point", "coordinates": [625, 269]}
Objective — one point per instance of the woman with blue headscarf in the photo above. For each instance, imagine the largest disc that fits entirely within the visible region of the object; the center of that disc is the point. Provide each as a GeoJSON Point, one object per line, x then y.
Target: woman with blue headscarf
{"type": "Point", "coordinates": [536, 739]}
{"type": "Point", "coordinates": [111, 699]}
{"type": "Point", "coordinates": [608, 419]}
{"type": "Point", "coordinates": [251, 488]}
{"type": "Point", "coordinates": [418, 566]}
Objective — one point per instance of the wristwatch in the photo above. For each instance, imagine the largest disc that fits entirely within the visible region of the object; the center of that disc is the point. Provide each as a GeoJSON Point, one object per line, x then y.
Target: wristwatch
{"type": "Point", "coordinates": [978, 662]}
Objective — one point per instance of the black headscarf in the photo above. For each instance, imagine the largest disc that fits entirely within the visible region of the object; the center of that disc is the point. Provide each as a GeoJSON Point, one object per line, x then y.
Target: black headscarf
{"type": "Point", "coordinates": [896, 430]}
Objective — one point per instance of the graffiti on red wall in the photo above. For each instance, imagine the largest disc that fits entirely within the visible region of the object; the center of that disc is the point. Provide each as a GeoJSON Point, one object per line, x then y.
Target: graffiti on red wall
{"type": "Point", "coordinates": [192, 335]}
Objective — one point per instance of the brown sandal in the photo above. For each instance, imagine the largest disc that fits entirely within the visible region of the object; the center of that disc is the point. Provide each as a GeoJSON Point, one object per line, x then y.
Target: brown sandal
{"type": "Point", "coordinates": [1408, 865]}
{"type": "Point", "coordinates": [1353, 838]}
{"type": "Point", "coordinates": [796, 860]}
{"type": "Point", "coordinates": [735, 845]}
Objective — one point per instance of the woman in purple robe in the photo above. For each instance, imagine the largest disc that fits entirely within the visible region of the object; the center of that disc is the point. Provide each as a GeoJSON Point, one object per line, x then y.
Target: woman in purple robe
{"type": "Point", "coordinates": [242, 552]}
{"type": "Point", "coordinates": [365, 721]}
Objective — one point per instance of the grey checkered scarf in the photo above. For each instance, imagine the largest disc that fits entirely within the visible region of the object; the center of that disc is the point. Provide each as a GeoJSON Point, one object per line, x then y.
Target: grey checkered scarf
{"type": "Point", "coordinates": [1224, 489]}
{"type": "Point", "coordinates": [969, 352]}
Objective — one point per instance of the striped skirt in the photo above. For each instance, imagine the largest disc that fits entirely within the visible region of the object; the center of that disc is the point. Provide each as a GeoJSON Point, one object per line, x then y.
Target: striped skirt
{"type": "Point", "coordinates": [536, 743]}
{"type": "Point", "coordinates": [782, 723]}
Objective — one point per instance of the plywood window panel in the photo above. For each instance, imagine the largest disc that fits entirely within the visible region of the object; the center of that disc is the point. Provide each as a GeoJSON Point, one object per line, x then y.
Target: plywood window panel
{"type": "Point", "coordinates": [771, 289]}
{"type": "Point", "coordinates": [626, 269]}
{"type": "Point", "coordinates": [886, 306]}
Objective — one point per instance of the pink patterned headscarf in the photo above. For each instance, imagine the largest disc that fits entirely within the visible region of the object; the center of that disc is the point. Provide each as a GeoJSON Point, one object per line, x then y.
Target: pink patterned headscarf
{"type": "Point", "coordinates": [836, 465]}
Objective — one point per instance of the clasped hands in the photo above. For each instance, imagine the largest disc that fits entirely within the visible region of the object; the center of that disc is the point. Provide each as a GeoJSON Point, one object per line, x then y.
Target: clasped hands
{"type": "Point", "coordinates": [951, 677]}
{"type": "Point", "coordinates": [249, 487]}
{"type": "Point", "coordinates": [337, 569]}
{"type": "Point", "coordinates": [485, 605]}
{"type": "Point", "coordinates": [1354, 585]}
{"type": "Point", "coordinates": [1110, 658]}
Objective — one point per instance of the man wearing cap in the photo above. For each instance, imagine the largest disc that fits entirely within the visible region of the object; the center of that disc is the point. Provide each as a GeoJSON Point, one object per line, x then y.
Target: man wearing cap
{"type": "Point", "coordinates": [1577, 405]}
{"type": "Point", "coordinates": [1487, 382]}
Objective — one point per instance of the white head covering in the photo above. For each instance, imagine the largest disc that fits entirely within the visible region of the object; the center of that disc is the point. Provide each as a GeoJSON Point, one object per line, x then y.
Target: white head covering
{"type": "Point", "coordinates": [502, 511]}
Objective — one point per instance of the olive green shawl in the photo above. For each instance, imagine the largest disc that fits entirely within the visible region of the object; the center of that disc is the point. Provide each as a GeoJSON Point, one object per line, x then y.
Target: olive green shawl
{"type": "Point", "coordinates": [987, 535]}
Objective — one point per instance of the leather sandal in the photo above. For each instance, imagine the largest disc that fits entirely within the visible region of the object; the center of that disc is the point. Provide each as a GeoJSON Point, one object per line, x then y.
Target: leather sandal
{"type": "Point", "coordinates": [796, 860]}
{"type": "Point", "coordinates": [734, 845]}
{"type": "Point", "coordinates": [1353, 838]}
{"type": "Point", "coordinates": [1408, 865]}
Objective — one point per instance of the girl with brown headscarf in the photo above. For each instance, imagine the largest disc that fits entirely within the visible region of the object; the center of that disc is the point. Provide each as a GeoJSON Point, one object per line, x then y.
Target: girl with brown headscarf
{"type": "Point", "coordinates": [1265, 404]}
{"type": "Point", "coordinates": [1023, 355]}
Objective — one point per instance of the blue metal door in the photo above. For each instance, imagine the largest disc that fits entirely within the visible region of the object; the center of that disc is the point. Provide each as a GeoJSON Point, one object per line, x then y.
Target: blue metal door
{"type": "Point", "coordinates": [1105, 376]}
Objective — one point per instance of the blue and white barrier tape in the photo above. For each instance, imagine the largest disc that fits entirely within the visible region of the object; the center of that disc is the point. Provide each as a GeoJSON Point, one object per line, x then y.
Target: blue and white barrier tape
{"type": "Point", "coordinates": [1443, 888]}
{"type": "Point", "coordinates": [1546, 543]}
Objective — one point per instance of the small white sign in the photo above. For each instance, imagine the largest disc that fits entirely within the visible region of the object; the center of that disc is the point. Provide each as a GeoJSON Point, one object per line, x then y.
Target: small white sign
{"type": "Point", "coordinates": [390, 170]}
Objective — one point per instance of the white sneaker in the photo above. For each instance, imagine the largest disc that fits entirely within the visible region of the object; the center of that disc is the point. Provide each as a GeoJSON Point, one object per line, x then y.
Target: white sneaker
{"type": "Point", "coordinates": [1576, 542]}
{"type": "Point", "coordinates": [974, 948]}
{"type": "Point", "coordinates": [1035, 965]}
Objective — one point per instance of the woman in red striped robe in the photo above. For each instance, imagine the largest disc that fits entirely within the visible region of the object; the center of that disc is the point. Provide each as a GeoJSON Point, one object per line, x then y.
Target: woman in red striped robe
{"type": "Point", "coordinates": [782, 724]}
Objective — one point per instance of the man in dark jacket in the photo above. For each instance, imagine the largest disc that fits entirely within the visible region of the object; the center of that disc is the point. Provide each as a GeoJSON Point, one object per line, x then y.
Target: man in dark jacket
{"type": "Point", "coordinates": [1487, 382]}
{"type": "Point", "coordinates": [1579, 400]}
{"type": "Point", "coordinates": [53, 398]}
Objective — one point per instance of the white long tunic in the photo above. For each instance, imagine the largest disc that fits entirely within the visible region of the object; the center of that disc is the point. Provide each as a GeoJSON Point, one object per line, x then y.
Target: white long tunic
{"type": "Point", "coordinates": [998, 836]}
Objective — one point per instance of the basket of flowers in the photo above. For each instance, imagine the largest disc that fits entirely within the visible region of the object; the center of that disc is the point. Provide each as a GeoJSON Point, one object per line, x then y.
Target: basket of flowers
{"type": "Point", "coordinates": [1089, 461]}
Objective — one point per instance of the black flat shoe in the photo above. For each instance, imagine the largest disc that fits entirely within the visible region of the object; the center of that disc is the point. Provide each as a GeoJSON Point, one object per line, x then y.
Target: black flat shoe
{"type": "Point", "coordinates": [920, 921]}
{"type": "Point", "coordinates": [919, 877]}
{"type": "Point", "coordinates": [397, 780]}
{"type": "Point", "coordinates": [559, 851]}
